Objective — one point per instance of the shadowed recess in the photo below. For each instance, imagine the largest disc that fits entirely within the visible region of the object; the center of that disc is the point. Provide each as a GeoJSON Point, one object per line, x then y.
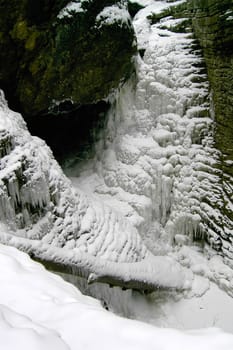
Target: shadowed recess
{"type": "Point", "coordinates": [68, 130]}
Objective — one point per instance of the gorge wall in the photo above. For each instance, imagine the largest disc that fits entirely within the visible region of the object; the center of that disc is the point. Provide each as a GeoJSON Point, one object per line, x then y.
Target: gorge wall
{"type": "Point", "coordinates": [213, 25]}
{"type": "Point", "coordinates": [212, 22]}
{"type": "Point", "coordinates": [51, 53]}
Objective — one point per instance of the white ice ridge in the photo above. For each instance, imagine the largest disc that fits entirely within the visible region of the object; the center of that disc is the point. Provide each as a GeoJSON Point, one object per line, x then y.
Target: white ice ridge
{"type": "Point", "coordinates": [42, 214]}
{"type": "Point", "coordinates": [38, 310]}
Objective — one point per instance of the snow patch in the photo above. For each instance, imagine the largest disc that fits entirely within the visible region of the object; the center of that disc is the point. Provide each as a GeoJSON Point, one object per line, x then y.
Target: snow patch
{"type": "Point", "coordinates": [113, 14]}
{"type": "Point", "coordinates": [71, 8]}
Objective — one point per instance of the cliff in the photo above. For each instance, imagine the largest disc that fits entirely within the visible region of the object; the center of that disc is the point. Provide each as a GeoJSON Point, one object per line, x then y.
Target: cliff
{"type": "Point", "coordinates": [213, 26]}
{"type": "Point", "coordinates": [61, 51]}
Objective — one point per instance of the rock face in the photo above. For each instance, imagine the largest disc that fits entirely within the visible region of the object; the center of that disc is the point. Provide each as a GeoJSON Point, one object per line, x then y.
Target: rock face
{"type": "Point", "coordinates": [58, 50]}
{"type": "Point", "coordinates": [213, 26]}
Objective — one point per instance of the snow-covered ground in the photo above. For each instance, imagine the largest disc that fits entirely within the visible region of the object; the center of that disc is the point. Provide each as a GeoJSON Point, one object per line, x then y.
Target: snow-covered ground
{"type": "Point", "coordinates": [203, 305]}
{"type": "Point", "coordinates": [38, 310]}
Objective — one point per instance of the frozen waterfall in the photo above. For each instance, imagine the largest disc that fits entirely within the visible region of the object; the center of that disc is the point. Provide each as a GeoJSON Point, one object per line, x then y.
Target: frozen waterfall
{"type": "Point", "coordinates": [156, 163]}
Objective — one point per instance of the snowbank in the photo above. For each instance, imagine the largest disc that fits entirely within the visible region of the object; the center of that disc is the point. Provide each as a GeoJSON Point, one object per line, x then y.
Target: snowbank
{"type": "Point", "coordinates": [40, 311]}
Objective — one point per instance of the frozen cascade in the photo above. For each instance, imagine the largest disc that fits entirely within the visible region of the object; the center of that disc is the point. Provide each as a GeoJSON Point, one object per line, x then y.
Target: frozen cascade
{"type": "Point", "coordinates": [42, 214]}
{"type": "Point", "coordinates": [156, 163]}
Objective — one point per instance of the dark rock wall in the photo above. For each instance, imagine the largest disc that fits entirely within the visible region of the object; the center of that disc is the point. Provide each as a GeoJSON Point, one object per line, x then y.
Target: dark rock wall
{"type": "Point", "coordinates": [212, 22]}
{"type": "Point", "coordinates": [213, 26]}
{"type": "Point", "coordinates": [45, 59]}
{"type": "Point", "coordinates": [71, 134]}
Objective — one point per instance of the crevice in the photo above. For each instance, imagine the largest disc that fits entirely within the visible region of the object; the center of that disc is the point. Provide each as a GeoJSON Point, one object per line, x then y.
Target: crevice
{"type": "Point", "coordinates": [70, 131]}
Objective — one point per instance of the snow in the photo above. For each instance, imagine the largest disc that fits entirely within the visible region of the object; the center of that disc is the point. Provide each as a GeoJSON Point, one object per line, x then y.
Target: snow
{"type": "Point", "coordinates": [71, 8]}
{"type": "Point", "coordinates": [113, 14]}
{"type": "Point", "coordinates": [228, 15]}
{"type": "Point", "coordinates": [40, 311]}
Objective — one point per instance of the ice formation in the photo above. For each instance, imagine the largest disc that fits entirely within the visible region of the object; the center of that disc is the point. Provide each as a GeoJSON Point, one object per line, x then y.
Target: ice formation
{"type": "Point", "coordinates": [156, 163]}
{"type": "Point", "coordinates": [42, 214]}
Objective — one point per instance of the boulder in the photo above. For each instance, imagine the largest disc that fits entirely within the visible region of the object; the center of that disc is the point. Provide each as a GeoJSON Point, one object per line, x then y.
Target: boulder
{"type": "Point", "coordinates": [56, 51]}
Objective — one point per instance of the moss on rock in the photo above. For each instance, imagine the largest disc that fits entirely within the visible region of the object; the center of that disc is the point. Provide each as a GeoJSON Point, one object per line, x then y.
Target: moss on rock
{"type": "Point", "coordinates": [53, 58]}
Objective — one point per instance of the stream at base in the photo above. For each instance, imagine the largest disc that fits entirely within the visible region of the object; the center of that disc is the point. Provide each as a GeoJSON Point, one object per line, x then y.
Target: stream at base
{"type": "Point", "coordinates": [163, 309]}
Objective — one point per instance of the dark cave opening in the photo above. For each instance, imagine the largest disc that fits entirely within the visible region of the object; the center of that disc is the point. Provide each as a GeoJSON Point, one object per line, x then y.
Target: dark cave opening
{"type": "Point", "coordinates": [69, 130]}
